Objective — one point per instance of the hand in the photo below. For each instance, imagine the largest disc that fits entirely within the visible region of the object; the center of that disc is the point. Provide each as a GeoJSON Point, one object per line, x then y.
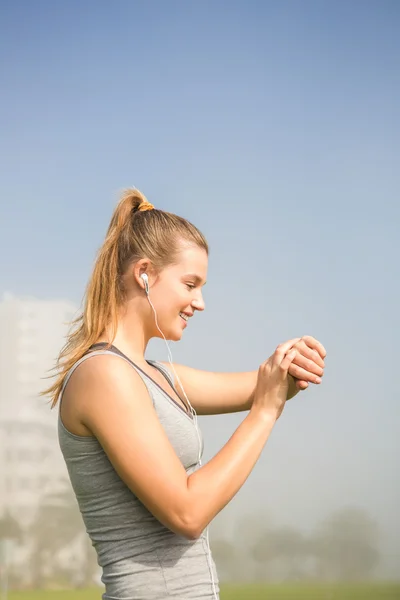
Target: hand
{"type": "Point", "coordinates": [308, 364]}
{"type": "Point", "coordinates": [273, 381]}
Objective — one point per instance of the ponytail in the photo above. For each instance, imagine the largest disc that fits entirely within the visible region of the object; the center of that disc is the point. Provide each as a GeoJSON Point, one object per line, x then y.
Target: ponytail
{"type": "Point", "coordinates": [136, 230]}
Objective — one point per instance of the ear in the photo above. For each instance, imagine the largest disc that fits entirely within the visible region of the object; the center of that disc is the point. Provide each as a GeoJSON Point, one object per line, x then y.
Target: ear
{"type": "Point", "coordinates": [143, 265]}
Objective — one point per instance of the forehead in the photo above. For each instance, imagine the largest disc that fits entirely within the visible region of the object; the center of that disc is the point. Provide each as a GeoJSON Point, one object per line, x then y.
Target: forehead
{"type": "Point", "coordinates": [192, 259]}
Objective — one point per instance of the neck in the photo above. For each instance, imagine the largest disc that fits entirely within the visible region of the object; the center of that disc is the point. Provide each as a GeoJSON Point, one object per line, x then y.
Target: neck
{"type": "Point", "coordinates": [132, 335]}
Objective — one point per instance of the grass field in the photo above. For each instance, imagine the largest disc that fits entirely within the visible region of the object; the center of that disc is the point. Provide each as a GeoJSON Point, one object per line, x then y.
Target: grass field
{"type": "Point", "coordinates": [251, 592]}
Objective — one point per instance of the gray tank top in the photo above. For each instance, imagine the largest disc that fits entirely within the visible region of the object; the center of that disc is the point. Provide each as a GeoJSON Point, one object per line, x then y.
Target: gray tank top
{"type": "Point", "coordinates": [141, 559]}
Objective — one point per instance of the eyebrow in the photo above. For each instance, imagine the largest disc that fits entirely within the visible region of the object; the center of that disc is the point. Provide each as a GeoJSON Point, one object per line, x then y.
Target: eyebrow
{"type": "Point", "coordinates": [197, 278]}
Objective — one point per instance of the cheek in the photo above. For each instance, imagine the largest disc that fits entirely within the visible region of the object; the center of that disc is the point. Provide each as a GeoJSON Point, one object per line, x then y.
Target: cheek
{"type": "Point", "coordinates": [168, 302]}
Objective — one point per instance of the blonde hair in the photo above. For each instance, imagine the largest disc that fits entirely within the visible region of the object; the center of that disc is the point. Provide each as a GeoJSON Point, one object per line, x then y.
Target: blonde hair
{"type": "Point", "coordinates": [137, 230]}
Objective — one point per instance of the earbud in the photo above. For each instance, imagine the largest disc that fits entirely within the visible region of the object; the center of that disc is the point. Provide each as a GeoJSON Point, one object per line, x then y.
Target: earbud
{"type": "Point", "coordinates": [146, 282]}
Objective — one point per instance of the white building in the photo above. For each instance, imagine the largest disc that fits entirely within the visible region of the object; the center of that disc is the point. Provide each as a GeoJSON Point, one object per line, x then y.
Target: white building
{"type": "Point", "coordinates": [32, 332]}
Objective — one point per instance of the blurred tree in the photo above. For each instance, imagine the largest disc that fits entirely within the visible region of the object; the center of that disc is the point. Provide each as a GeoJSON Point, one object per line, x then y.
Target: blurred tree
{"type": "Point", "coordinates": [345, 546]}
{"type": "Point", "coordinates": [9, 528]}
{"type": "Point", "coordinates": [283, 552]}
{"type": "Point", "coordinates": [225, 556]}
{"type": "Point", "coordinates": [249, 531]}
{"type": "Point", "coordinates": [10, 535]}
{"type": "Point", "coordinates": [58, 524]}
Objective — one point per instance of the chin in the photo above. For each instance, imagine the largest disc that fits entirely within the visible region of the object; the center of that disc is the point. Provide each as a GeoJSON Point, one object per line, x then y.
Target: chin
{"type": "Point", "coordinates": [171, 336]}
{"type": "Point", "coordinates": [175, 336]}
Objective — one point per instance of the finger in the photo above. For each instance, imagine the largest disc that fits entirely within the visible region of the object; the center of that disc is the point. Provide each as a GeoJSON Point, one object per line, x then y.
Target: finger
{"type": "Point", "coordinates": [303, 375]}
{"type": "Point", "coordinates": [309, 353]}
{"type": "Point", "coordinates": [283, 349]}
{"type": "Point", "coordinates": [287, 361]}
{"type": "Point", "coordinates": [315, 345]}
{"type": "Point", "coordinates": [307, 364]}
{"type": "Point", "coordinates": [301, 385]}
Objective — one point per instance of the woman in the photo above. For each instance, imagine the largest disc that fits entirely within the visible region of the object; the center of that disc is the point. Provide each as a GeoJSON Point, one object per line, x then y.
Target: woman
{"type": "Point", "coordinates": [127, 429]}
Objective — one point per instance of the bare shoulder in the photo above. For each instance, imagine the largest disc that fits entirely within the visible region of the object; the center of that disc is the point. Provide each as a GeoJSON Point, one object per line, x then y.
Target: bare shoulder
{"type": "Point", "coordinates": [89, 385]}
{"type": "Point", "coordinates": [103, 378]}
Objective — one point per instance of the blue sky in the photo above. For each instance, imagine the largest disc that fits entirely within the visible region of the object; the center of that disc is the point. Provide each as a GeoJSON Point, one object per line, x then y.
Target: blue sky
{"type": "Point", "coordinates": [275, 128]}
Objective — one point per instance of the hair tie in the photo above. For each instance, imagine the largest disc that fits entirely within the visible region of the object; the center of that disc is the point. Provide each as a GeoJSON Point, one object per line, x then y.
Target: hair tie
{"type": "Point", "coordinates": [145, 206]}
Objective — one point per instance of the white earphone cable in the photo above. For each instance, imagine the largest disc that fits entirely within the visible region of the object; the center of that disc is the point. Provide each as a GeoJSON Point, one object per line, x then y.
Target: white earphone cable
{"type": "Point", "coordinates": [195, 421]}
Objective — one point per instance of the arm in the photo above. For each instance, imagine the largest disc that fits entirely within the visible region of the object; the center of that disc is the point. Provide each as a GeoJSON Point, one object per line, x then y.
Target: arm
{"type": "Point", "coordinates": [116, 408]}
{"type": "Point", "coordinates": [217, 393]}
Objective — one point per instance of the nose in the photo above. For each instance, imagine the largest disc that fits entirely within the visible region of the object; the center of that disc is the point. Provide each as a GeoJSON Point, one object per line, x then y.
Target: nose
{"type": "Point", "coordinates": [198, 303]}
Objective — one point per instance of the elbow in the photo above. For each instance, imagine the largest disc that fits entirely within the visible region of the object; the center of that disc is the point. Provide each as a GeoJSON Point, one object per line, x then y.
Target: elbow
{"type": "Point", "coordinates": [187, 517]}
{"type": "Point", "coordinates": [192, 534]}
{"type": "Point", "coordinates": [189, 527]}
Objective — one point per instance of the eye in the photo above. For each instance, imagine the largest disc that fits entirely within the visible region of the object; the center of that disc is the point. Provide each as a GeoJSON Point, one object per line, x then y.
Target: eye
{"type": "Point", "coordinates": [190, 286]}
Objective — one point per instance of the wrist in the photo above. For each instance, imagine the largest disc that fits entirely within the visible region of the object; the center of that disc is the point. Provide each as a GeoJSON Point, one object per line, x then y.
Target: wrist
{"type": "Point", "coordinates": [267, 415]}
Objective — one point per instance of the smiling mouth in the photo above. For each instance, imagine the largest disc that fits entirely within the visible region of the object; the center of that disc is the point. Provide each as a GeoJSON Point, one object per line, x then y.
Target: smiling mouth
{"type": "Point", "coordinates": [184, 317]}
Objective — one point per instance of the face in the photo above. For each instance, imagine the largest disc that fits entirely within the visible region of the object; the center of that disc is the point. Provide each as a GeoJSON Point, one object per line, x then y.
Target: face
{"type": "Point", "coordinates": [176, 293]}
